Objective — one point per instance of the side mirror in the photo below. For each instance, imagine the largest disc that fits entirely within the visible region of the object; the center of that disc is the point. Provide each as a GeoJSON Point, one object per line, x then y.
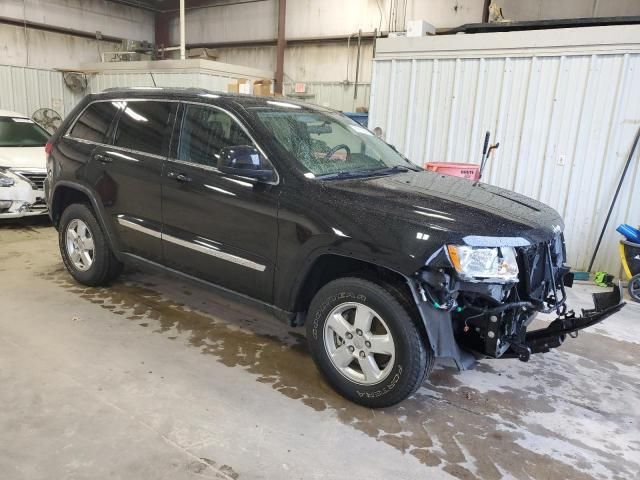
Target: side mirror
{"type": "Point", "coordinates": [245, 161]}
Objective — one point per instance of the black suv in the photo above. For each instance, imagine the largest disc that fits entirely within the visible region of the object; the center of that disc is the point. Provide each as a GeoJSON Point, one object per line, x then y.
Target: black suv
{"type": "Point", "coordinates": [308, 213]}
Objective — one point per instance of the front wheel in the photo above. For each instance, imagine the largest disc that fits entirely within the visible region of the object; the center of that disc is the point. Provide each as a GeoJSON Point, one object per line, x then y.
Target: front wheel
{"type": "Point", "coordinates": [634, 287]}
{"type": "Point", "coordinates": [365, 343]}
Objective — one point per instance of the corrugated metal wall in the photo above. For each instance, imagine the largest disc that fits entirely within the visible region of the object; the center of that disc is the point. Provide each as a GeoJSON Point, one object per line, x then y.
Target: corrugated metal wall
{"type": "Point", "coordinates": [334, 95]}
{"type": "Point", "coordinates": [565, 123]}
{"type": "Point", "coordinates": [25, 90]}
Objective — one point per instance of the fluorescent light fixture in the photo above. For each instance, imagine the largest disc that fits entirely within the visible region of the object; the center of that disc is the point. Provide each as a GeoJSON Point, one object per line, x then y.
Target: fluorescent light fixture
{"type": "Point", "coordinates": [284, 104]}
{"type": "Point", "coordinates": [220, 190]}
{"type": "Point", "coordinates": [340, 233]}
{"type": "Point", "coordinates": [360, 129]}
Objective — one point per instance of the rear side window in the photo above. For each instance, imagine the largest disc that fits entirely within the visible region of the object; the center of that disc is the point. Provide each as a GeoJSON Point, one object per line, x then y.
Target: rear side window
{"type": "Point", "coordinates": [94, 122]}
{"type": "Point", "coordinates": [145, 126]}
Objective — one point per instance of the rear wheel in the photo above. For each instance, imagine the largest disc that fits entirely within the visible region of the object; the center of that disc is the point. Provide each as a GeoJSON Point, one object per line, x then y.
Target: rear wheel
{"type": "Point", "coordinates": [366, 344]}
{"type": "Point", "coordinates": [85, 251]}
{"type": "Point", "coordinates": [634, 288]}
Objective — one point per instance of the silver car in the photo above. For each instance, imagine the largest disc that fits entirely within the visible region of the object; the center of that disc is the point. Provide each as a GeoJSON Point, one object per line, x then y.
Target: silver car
{"type": "Point", "coordinates": [22, 166]}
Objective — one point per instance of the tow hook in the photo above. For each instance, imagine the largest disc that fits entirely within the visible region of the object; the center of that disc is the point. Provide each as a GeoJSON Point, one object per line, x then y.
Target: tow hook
{"type": "Point", "coordinates": [520, 349]}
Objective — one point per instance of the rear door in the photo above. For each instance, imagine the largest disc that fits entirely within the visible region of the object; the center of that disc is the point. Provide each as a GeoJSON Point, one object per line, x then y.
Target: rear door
{"type": "Point", "coordinates": [218, 227]}
{"type": "Point", "coordinates": [127, 173]}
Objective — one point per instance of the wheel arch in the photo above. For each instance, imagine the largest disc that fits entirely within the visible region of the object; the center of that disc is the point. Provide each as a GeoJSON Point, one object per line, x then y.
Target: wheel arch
{"type": "Point", "coordinates": [65, 194]}
{"type": "Point", "coordinates": [331, 266]}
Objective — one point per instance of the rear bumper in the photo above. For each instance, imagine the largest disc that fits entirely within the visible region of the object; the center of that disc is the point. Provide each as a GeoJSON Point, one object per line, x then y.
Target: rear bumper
{"type": "Point", "coordinates": [543, 340]}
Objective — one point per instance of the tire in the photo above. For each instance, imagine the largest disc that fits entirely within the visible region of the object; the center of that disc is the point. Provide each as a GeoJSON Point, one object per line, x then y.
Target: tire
{"type": "Point", "coordinates": [398, 375]}
{"type": "Point", "coordinates": [634, 287]}
{"type": "Point", "coordinates": [93, 267]}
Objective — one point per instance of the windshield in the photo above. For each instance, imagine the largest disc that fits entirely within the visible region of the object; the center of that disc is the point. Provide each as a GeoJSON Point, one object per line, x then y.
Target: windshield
{"type": "Point", "coordinates": [21, 132]}
{"type": "Point", "coordinates": [330, 144]}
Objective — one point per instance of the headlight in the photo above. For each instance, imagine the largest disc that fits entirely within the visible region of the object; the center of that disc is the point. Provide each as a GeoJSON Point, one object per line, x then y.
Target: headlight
{"type": "Point", "coordinates": [484, 264]}
{"type": "Point", "coordinates": [6, 180]}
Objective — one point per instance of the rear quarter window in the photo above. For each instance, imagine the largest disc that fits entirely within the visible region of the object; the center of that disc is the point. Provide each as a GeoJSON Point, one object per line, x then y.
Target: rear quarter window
{"type": "Point", "coordinates": [94, 122]}
{"type": "Point", "coordinates": [145, 126]}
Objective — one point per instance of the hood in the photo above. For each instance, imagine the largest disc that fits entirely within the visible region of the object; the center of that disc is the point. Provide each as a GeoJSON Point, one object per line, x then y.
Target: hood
{"type": "Point", "coordinates": [449, 209]}
{"type": "Point", "coordinates": [23, 157]}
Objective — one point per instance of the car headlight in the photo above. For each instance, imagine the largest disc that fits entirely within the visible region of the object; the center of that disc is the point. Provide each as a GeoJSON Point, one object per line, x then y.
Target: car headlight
{"type": "Point", "coordinates": [484, 264]}
{"type": "Point", "coordinates": [6, 180]}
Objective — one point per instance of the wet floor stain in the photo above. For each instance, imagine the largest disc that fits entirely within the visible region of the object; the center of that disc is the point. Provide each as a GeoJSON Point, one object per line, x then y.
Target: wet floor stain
{"type": "Point", "coordinates": [461, 423]}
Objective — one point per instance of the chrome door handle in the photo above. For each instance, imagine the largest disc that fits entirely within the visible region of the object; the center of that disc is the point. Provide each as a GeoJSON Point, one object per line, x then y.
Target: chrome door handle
{"type": "Point", "coordinates": [103, 158]}
{"type": "Point", "coordinates": [180, 177]}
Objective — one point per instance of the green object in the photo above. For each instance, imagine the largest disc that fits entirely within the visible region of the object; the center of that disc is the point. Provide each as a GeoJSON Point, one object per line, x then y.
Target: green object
{"type": "Point", "coordinates": [603, 279]}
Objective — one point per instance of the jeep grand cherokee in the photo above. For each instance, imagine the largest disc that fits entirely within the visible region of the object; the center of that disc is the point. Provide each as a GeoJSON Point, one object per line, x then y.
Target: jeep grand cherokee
{"type": "Point", "coordinates": [305, 212]}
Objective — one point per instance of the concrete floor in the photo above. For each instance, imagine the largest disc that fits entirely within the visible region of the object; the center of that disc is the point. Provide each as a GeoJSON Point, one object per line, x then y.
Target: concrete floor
{"type": "Point", "coordinates": [157, 378]}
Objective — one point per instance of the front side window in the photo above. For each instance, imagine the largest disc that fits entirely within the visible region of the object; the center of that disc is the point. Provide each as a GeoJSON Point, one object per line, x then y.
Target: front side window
{"type": "Point", "coordinates": [94, 122]}
{"type": "Point", "coordinates": [144, 125]}
{"type": "Point", "coordinates": [205, 132]}
{"type": "Point", "coordinates": [21, 132]}
{"type": "Point", "coordinates": [327, 143]}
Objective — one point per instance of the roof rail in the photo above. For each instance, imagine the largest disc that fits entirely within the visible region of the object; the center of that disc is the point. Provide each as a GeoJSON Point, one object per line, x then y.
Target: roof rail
{"type": "Point", "coordinates": [150, 87]}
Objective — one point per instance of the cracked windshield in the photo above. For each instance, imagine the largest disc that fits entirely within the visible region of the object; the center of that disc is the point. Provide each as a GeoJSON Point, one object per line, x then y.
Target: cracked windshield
{"type": "Point", "coordinates": [330, 145]}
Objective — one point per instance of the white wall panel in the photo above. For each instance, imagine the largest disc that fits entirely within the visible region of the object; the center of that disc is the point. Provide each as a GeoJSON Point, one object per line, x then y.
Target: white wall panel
{"type": "Point", "coordinates": [565, 113]}
{"type": "Point", "coordinates": [25, 90]}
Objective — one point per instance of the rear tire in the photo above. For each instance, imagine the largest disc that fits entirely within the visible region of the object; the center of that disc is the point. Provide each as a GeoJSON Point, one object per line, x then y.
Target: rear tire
{"type": "Point", "coordinates": [84, 248]}
{"type": "Point", "coordinates": [366, 344]}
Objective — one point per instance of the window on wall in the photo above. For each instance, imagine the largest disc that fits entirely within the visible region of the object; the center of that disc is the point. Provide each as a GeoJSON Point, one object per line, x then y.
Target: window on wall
{"type": "Point", "coordinates": [205, 131]}
{"type": "Point", "coordinates": [94, 122]}
{"type": "Point", "coordinates": [144, 126]}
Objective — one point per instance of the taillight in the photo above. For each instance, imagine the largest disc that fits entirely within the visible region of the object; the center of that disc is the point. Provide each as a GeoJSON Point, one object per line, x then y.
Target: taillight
{"type": "Point", "coordinates": [48, 148]}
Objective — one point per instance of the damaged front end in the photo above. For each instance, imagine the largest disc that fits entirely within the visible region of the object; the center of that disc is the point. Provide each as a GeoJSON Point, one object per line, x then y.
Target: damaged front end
{"type": "Point", "coordinates": [468, 317]}
{"type": "Point", "coordinates": [22, 192]}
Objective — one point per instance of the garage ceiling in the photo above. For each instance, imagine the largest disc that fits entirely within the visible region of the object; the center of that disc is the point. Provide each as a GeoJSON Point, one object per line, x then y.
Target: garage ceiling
{"type": "Point", "coordinates": [171, 5]}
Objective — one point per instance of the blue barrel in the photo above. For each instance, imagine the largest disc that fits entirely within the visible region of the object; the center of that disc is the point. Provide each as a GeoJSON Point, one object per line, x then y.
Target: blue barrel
{"type": "Point", "coordinates": [630, 233]}
{"type": "Point", "coordinates": [361, 118]}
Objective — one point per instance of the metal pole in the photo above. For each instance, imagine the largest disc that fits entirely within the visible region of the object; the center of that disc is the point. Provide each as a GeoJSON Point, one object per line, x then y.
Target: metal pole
{"type": "Point", "coordinates": [355, 84]}
{"type": "Point", "coordinates": [282, 9]}
{"type": "Point", "coordinates": [615, 198]}
{"type": "Point", "coordinates": [183, 52]}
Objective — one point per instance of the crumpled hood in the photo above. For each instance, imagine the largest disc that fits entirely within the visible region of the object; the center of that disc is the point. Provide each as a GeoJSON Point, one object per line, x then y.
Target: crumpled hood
{"type": "Point", "coordinates": [23, 157]}
{"type": "Point", "coordinates": [449, 209]}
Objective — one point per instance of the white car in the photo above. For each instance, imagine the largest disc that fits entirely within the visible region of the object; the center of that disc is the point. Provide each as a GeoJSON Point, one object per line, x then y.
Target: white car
{"type": "Point", "coordinates": [22, 166]}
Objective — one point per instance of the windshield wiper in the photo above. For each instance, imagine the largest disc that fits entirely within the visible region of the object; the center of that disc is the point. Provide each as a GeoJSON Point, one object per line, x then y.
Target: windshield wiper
{"type": "Point", "coordinates": [395, 169]}
{"type": "Point", "coordinates": [344, 174]}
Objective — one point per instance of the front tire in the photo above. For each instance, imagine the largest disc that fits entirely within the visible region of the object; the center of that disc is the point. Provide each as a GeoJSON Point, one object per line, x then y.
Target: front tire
{"type": "Point", "coordinates": [84, 248]}
{"type": "Point", "coordinates": [366, 344]}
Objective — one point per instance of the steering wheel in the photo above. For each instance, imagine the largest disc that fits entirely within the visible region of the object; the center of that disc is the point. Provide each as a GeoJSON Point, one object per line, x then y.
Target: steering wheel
{"type": "Point", "coordinates": [337, 148]}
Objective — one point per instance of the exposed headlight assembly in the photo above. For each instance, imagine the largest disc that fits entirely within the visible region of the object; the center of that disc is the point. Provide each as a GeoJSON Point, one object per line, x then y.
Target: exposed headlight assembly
{"type": "Point", "coordinates": [480, 264]}
{"type": "Point", "coordinates": [6, 180]}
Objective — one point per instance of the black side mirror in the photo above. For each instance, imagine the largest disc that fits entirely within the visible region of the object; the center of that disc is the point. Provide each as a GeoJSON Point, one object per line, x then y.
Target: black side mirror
{"type": "Point", "coordinates": [245, 161]}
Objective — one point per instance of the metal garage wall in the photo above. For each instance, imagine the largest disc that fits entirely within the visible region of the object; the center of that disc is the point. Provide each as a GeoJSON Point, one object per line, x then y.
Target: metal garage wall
{"type": "Point", "coordinates": [564, 105]}
{"type": "Point", "coordinates": [334, 95]}
{"type": "Point", "coordinates": [25, 90]}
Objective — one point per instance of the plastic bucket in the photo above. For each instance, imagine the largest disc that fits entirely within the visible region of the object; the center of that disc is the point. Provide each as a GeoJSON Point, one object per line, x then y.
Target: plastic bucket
{"type": "Point", "coordinates": [630, 253]}
{"type": "Point", "coordinates": [464, 170]}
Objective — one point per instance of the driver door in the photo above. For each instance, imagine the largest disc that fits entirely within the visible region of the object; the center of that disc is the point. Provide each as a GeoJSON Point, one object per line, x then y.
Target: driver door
{"type": "Point", "coordinates": [218, 227]}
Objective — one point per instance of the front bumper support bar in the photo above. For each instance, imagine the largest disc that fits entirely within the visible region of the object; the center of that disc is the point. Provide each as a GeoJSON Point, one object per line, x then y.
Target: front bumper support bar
{"type": "Point", "coordinates": [543, 340]}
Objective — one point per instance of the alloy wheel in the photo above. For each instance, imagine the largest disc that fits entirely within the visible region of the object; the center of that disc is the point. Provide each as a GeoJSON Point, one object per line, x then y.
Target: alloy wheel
{"type": "Point", "coordinates": [359, 343]}
{"type": "Point", "coordinates": [80, 245]}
